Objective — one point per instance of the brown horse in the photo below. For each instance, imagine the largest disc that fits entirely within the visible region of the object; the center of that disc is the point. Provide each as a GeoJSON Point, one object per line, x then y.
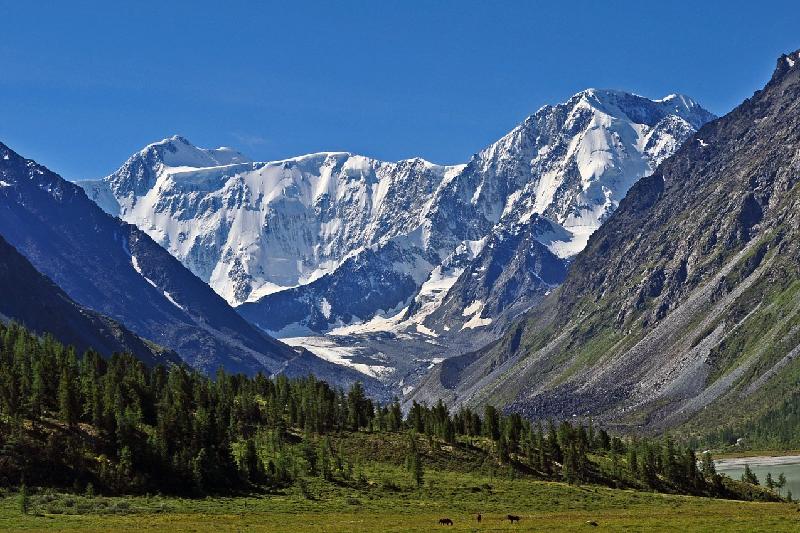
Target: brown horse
{"type": "Point", "coordinates": [445, 522]}
{"type": "Point", "coordinates": [512, 518]}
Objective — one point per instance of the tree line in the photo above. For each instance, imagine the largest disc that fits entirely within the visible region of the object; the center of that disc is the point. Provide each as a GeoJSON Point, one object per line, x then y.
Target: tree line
{"type": "Point", "coordinates": [117, 425]}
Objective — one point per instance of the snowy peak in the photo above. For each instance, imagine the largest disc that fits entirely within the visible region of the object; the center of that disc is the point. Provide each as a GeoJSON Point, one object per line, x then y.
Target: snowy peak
{"type": "Point", "coordinates": [177, 151]}
{"type": "Point", "coordinates": [251, 229]}
{"type": "Point", "coordinates": [639, 109]}
{"type": "Point", "coordinates": [574, 162]}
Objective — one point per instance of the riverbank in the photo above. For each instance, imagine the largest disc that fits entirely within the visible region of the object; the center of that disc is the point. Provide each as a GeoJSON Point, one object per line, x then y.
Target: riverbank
{"type": "Point", "coordinates": [761, 460]}
{"type": "Point", "coordinates": [753, 454]}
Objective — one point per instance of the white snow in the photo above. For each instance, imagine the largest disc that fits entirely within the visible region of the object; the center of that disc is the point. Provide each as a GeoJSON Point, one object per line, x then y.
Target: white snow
{"type": "Point", "coordinates": [325, 308]}
{"type": "Point", "coordinates": [476, 322]}
{"type": "Point", "coordinates": [138, 269]}
{"type": "Point", "coordinates": [341, 355]}
{"type": "Point", "coordinates": [426, 331]}
{"type": "Point", "coordinates": [169, 297]}
{"type": "Point", "coordinates": [474, 307]}
{"type": "Point", "coordinates": [476, 247]}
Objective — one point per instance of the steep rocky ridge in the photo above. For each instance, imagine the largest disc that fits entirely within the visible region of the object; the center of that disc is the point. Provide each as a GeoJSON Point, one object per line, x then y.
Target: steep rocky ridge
{"type": "Point", "coordinates": [683, 308]}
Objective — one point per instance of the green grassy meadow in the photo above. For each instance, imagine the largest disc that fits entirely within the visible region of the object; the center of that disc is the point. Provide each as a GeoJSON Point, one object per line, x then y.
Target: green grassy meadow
{"type": "Point", "coordinates": [385, 506]}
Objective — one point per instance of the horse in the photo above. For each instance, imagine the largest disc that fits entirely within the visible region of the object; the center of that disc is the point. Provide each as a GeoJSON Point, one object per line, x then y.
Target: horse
{"type": "Point", "coordinates": [512, 518]}
{"type": "Point", "coordinates": [445, 522]}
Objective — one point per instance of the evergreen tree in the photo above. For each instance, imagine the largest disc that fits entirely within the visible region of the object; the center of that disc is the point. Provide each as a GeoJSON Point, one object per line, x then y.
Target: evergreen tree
{"type": "Point", "coordinates": [708, 469]}
{"type": "Point", "coordinates": [67, 391]}
{"type": "Point", "coordinates": [491, 421]}
{"type": "Point", "coordinates": [24, 499]}
{"type": "Point", "coordinates": [748, 476]}
{"type": "Point", "coordinates": [414, 460]}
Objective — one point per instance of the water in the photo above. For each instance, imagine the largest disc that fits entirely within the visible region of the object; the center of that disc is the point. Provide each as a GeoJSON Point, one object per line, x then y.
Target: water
{"type": "Point", "coordinates": [789, 465]}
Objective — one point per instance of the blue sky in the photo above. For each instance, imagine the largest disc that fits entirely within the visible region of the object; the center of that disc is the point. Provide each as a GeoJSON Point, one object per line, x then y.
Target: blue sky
{"type": "Point", "coordinates": [83, 84]}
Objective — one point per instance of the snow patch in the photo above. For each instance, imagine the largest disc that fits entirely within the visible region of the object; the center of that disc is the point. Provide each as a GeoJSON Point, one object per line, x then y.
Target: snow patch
{"type": "Point", "coordinates": [474, 307]}
{"type": "Point", "coordinates": [421, 328]}
{"type": "Point", "coordinates": [476, 322]}
{"type": "Point", "coordinates": [138, 269]}
{"type": "Point", "coordinates": [169, 297]}
{"type": "Point", "coordinates": [325, 308]}
{"type": "Point", "coordinates": [340, 355]}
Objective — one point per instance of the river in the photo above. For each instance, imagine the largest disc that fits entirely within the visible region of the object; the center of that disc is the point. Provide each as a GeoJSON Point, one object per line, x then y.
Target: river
{"type": "Point", "coordinates": [788, 464]}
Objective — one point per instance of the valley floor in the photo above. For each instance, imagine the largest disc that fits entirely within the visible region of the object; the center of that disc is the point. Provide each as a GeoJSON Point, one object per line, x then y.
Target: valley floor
{"type": "Point", "coordinates": [542, 506]}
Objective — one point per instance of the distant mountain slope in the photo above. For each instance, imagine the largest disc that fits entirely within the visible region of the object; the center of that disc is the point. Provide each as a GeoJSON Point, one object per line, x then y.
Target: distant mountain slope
{"type": "Point", "coordinates": [117, 270]}
{"type": "Point", "coordinates": [684, 308]}
{"type": "Point", "coordinates": [31, 299]}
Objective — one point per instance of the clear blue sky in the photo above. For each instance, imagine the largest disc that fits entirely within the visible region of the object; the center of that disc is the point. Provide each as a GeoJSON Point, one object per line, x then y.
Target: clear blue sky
{"type": "Point", "coordinates": [83, 84]}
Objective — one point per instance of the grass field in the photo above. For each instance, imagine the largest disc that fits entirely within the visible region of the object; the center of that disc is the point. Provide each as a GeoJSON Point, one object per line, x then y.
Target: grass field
{"type": "Point", "coordinates": [379, 506]}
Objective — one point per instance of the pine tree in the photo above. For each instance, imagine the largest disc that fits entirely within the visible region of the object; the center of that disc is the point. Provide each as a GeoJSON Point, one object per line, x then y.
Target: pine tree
{"type": "Point", "coordinates": [491, 422]}
{"type": "Point", "coordinates": [748, 476]}
{"type": "Point", "coordinates": [633, 461]}
{"type": "Point", "coordinates": [668, 462]}
{"type": "Point", "coordinates": [325, 458]}
{"type": "Point", "coordinates": [414, 460]}
{"type": "Point", "coordinates": [553, 447]}
{"type": "Point", "coordinates": [24, 499]}
{"type": "Point", "coordinates": [67, 391]}
{"type": "Point", "coordinates": [707, 468]}
{"type": "Point", "coordinates": [310, 455]}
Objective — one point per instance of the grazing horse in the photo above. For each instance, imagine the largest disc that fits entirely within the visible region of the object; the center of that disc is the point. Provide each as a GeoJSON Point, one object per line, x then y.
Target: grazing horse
{"type": "Point", "coordinates": [512, 518]}
{"type": "Point", "coordinates": [445, 522]}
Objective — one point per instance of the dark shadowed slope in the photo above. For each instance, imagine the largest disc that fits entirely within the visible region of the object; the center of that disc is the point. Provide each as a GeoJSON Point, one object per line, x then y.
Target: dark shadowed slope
{"type": "Point", "coordinates": [30, 298]}
{"type": "Point", "coordinates": [117, 270]}
{"type": "Point", "coordinates": [684, 308]}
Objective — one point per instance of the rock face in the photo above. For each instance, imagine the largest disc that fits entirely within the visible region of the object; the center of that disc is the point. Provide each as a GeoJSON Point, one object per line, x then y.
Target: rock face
{"type": "Point", "coordinates": [336, 240]}
{"type": "Point", "coordinates": [511, 274]}
{"type": "Point", "coordinates": [34, 301]}
{"type": "Point", "coordinates": [683, 307]}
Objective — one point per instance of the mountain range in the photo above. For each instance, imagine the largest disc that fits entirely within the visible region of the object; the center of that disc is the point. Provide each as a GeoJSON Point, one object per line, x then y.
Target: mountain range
{"type": "Point", "coordinates": [363, 261]}
{"type": "Point", "coordinates": [614, 257]}
{"type": "Point", "coordinates": [117, 271]}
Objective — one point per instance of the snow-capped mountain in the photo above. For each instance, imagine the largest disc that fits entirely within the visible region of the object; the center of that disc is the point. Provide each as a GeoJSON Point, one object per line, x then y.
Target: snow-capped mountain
{"type": "Point", "coordinates": [251, 229]}
{"type": "Point", "coordinates": [116, 278]}
{"type": "Point", "coordinates": [335, 241]}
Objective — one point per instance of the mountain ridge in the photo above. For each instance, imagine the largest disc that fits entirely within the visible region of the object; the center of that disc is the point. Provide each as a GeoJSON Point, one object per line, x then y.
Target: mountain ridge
{"type": "Point", "coordinates": [682, 307]}
{"type": "Point", "coordinates": [37, 303]}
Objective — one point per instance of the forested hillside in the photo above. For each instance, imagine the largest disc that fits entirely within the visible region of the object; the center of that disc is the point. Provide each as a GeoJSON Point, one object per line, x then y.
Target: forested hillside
{"type": "Point", "coordinates": [117, 426]}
